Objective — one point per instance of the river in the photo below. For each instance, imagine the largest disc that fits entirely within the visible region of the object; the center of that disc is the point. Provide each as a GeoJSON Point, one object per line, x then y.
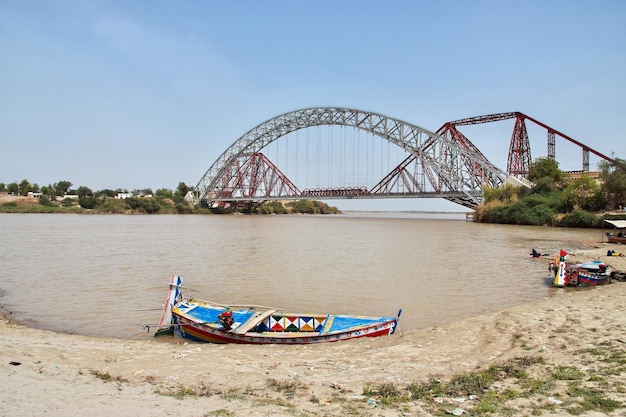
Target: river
{"type": "Point", "coordinates": [107, 275]}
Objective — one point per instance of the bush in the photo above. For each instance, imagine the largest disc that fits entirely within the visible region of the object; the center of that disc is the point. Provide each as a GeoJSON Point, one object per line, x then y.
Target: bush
{"type": "Point", "coordinates": [311, 207]}
{"type": "Point", "coordinates": [579, 218]}
{"type": "Point", "coordinates": [143, 205]}
{"type": "Point", "coordinates": [45, 201]}
{"type": "Point", "coordinates": [114, 206]}
{"type": "Point", "coordinates": [273, 207]}
{"type": "Point", "coordinates": [88, 202]}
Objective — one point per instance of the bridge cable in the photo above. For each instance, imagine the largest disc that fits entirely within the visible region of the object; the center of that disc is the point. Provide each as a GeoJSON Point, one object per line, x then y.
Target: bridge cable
{"type": "Point", "coordinates": [297, 153]}
{"type": "Point", "coordinates": [319, 160]}
{"type": "Point", "coordinates": [330, 152]}
{"type": "Point", "coordinates": [353, 154]}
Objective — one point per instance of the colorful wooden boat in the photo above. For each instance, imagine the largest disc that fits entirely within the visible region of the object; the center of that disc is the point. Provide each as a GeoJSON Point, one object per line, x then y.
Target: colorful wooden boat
{"type": "Point", "coordinates": [584, 274]}
{"type": "Point", "coordinates": [206, 321]}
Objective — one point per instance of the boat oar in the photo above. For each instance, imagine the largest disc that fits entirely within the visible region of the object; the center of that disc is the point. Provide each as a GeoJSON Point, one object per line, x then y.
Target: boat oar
{"type": "Point", "coordinates": [251, 306]}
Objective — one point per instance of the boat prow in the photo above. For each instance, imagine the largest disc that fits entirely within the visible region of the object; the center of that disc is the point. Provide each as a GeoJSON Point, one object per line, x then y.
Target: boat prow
{"type": "Point", "coordinates": [166, 324]}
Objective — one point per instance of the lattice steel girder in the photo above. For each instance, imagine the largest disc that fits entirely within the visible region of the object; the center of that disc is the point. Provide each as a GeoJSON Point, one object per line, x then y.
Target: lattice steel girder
{"type": "Point", "coordinates": [256, 176]}
{"type": "Point", "coordinates": [449, 165]}
{"type": "Point", "coordinates": [519, 157]}
{"type": "Point", "coordinates": [517, 164]}
{"type": "Point", "coordinates": [485, 119]}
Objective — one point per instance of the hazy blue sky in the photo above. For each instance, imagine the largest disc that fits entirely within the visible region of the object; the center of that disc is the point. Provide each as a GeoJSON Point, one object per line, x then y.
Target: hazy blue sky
{"type": "Point", "coordinates": [145, 94]}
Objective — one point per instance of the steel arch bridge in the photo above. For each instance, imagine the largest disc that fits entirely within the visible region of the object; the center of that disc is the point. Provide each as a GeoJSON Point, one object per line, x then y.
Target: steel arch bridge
{"type": "Point", "coordinates": [437, 166]}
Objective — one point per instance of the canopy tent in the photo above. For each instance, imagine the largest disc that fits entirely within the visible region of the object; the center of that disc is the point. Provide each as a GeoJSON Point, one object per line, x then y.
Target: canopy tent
{"type": "Point", "coordinates": [620, 224]}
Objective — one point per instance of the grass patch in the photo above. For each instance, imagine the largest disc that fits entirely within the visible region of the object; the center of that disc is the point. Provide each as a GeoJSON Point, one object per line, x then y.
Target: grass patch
{"type": "Point", "coordinates": [106, 377]}
{"type": "Point", "coordinates": [488, 391]}
{"type": "Point", "coordinates": [591, 400]}
{"type": "Point", "coordinates": [567, 373]}
{"type": "Point", "coordinates": [220, 413]}
{"type": "Point", "coordinates": [287, 386]}
{"type": "Point", "coordinates": [387, 393]}
{"type": "Point", "coordinates": [182, 391]}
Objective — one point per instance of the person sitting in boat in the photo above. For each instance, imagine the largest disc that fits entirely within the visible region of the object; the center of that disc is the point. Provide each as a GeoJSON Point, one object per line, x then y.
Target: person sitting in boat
{"type": "Point", "coordinates": [226, 319]}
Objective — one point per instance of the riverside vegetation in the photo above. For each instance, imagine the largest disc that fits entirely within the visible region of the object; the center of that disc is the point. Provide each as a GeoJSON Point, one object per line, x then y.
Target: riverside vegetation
{"type": "Point", "coordinates": [60, 198]}
{"type": "Point", "coordinates": [558, 198]}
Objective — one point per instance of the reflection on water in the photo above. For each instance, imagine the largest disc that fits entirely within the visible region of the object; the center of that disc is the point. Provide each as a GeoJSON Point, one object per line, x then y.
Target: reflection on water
{"type": "Point", "coordinates": [106, 275]}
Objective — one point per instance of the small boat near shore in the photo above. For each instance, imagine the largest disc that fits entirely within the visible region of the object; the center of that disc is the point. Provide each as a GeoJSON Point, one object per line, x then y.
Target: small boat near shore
{"type": "Point", "coordinates": [620, 235]}
{"type": "Point", "coordinates": [584, 274]}
{"type": "Point", "coordinates": [210, 322]}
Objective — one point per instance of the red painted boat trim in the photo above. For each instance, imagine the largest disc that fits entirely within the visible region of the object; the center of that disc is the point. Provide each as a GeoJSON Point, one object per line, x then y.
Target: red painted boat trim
{"type": "Point", "coordinates": [203, 333]}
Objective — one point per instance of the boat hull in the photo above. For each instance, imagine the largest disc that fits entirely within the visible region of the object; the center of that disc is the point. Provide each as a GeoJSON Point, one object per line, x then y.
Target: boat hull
{"type": "Point", "coordinates": [589, 279]}
{"type": "Point", "coordinates": [615, 239]}
{"type": "Point", "coordinates": [582, 275]}
{"type": "Point", "coordinates": [188, 329]}
{"type": "Point", "coordinates": [200, 321]}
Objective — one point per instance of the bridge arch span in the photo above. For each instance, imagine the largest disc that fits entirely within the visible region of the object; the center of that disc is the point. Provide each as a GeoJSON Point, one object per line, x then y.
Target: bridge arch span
{"type": "Point", "coordinates": [450, 166]}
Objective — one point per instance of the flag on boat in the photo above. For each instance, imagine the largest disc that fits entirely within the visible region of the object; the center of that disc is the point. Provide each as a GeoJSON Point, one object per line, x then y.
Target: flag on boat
{"type": "Point", "coordinates": [562, 253]}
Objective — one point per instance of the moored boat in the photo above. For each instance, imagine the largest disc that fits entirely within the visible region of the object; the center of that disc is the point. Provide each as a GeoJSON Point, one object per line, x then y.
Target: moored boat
{"type": "Point", "coordinates": [210, 322]}
{"type": "Point", "coordinates": [620, 235]}
{"type": "Point", "coordinates": [583, 274]}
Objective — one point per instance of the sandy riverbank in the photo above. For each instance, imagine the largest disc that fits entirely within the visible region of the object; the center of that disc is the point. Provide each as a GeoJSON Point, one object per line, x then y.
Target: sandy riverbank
{"type": "Point", "coordinates": [559, 354]}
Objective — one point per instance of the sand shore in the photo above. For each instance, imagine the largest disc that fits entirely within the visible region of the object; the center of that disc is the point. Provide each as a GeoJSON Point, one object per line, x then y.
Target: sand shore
{"type": "Point", "coordinates": [562, 355]}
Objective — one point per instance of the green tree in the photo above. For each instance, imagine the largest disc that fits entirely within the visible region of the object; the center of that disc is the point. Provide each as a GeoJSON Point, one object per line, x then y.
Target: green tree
{"type": "Point", "coordinates": [62, 187]}
{"type": "Point", "coordinates": [614, 182]}
{"type": "Point", "coordinates": [13, 188]}
{"type": "Point", "coordinates": [182, 190]}
{"type": "Point", "coordinates": [3, 187]}
{"type": "Point", "coordinates": [24, 187]}
{"type": "Point", "coordinates": [88, 202]}
{"type": "Point", "coordinates": [164, 193]}
{"type": "Point", "coordinates": [545, 168]}
{"type": "Point", "coordinates": [106, 193]}
{"type": "Point", "coordinates": [582, 192]}
{"type": "Point", "coordinates": [47, 191]}
{"type": "Point", "coordinates": [84, 192]}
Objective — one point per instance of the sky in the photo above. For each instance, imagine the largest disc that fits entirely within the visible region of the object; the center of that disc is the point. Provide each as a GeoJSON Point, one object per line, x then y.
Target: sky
{"type": "Point", "coordinates": [149, 93]}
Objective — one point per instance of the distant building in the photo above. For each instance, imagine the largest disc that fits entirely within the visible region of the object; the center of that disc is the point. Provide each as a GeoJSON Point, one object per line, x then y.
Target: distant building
{"type": "Point", "coordinates": [578, 174]}
{"type": "Point", "coordinates": [122, 196]}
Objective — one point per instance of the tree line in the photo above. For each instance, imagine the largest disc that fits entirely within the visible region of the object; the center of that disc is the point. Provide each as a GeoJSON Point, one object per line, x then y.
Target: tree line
{"type": "Point", "coordinates": [61, 197]}
{"type": "Point", "coordinates": [557, 198]}
{"type": "Point", "coordinates": [61, 194]}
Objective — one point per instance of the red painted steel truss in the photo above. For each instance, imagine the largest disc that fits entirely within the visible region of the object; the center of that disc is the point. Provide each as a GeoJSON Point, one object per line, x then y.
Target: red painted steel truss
{"type": "Point", "coordinates": [519, 156]}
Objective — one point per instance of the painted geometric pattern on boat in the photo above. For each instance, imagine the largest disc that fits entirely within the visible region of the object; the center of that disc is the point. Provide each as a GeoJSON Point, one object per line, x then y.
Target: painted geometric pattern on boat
{"type": "Point", "coordinates": [280, 323]}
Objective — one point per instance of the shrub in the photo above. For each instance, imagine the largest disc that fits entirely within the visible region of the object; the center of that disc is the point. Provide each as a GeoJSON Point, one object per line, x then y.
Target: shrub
{"type": "Point", "coordinates": [579, 218]}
